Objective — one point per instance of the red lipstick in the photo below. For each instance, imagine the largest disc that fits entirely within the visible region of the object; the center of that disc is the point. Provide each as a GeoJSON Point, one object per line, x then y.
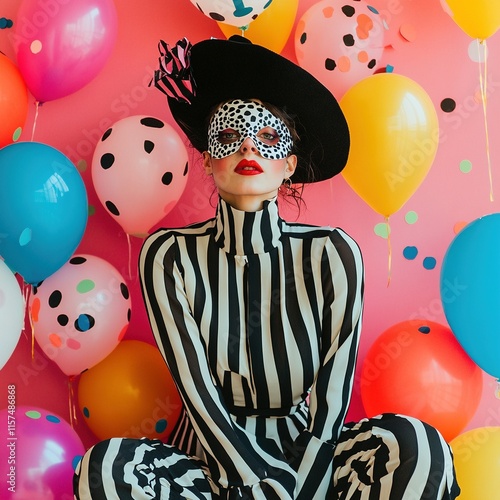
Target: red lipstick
{"type": "Point", "coordinates": [248, 167]}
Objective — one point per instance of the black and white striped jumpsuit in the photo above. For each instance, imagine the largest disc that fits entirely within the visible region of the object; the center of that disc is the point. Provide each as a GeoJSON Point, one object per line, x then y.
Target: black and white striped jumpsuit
{"type": "Point", "coordinates": [259, 322]}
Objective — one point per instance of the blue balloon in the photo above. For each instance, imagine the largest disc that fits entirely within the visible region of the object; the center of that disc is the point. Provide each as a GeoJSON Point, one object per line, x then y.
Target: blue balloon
{"type": "Point", "coordinates": [470, 291]}
{"type": "Point", "coordinates": [43, 209]}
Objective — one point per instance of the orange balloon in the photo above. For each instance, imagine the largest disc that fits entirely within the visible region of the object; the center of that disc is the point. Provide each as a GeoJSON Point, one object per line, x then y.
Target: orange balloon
{"type": "Point", "coordinates": [418, 368]}
{"type": "Point", "coordinates": [13, 101]}
{"type": "Point", "coordinates": [272, 28]}
{"type": "Point", "coordinates": [130, 394]}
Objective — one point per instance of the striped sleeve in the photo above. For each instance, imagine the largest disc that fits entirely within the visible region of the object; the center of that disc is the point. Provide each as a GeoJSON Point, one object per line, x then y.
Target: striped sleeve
{"type": "Point", "coordinates": [234, 457]}
{"type": "Point", "coordinates": [342, 286]}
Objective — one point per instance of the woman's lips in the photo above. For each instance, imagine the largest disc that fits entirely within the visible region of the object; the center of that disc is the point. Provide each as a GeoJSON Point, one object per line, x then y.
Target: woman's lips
{"type": "Point", "coordinates": [248, 167]}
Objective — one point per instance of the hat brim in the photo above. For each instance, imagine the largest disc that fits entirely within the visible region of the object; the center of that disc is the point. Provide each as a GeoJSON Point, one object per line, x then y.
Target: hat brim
{"type": "Point", "coordinates": [237, 69]}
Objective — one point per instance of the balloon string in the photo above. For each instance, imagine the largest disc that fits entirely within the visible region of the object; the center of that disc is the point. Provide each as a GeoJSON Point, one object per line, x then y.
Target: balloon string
{"type": "Point", "coordinates": [37, 106]}
{"type": "Point", "coordinates": [389, 252]}
{"type": "Point", "coordinates": [71, 401]}
{"type": "Point", "coordinates": [482, 84]}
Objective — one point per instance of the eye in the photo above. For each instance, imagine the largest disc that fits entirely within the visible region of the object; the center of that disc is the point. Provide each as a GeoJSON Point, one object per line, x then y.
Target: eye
{"type": "Point", "coordinates": [228, 136]}
{"type": "Point", "coordinates": [268, 135]}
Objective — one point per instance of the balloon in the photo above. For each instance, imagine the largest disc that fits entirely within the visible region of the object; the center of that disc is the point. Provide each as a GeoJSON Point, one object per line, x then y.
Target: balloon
{"type": "Point", "coordinates": [13, 101]}
{"type": "Point", "coordinates": [417, 368]}
{"type": "Point", "coordinates": [61, 46]}
{"type": "Point", "coordinates": [476, 456]}
{"type": "Point", "coordinates": [339, 42]}
{"type": "Point", "coordinates": [272, 28]}
{"type": "Point", "coordinates": [234, 12]}
{"type": "Point", "coordinates": [41, 453]}
{"type": "Point", "coordinates": [43, 209]}
{"type": "Point", "coordinates": [139, 171]}
{"type": "Point", "coordinates": [470, 291]}
{"type": "Point", "coordinates": [11, 313]}
{"type": "Point", "coordinates": [478, 19]}
{"type": "Point", "coordinates": [80, 313]}
{"type": "Point", "coordinates": [130, 394]}
{"type": "Point", "coordinates": [394, 137]}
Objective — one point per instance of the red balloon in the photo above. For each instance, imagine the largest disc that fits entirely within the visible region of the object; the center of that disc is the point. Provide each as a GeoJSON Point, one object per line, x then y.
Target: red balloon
{"type": "Point", "coordinates": [13, 101]}
{"type": "Point", "coordinates": [418, 368]}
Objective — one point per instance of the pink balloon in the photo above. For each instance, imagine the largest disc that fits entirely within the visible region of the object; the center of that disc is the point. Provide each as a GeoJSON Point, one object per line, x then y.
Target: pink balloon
{"type": "Point", "coordinates": [139, 171]}
{"type": "Point", "coordinates": [80, 313]}
{"type": "Point", "coordinates": [39, 453]}
{"type": "Point", "coordinates": [339, 42]}
{"type": "Point", "coordinates": [61, 45]}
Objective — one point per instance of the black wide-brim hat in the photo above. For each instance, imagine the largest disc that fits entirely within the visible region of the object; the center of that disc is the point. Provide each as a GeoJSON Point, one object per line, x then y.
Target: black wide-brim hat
{"type": "Point", "coordinates": [197, 78]}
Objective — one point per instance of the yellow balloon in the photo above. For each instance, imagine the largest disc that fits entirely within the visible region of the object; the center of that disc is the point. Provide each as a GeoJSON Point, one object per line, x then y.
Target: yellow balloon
{"type": "Point", "coordinates": [477, 18]}
{"type": "Point", "coordinates": [130, 393]}
{"type": "Point", "coordinates": [272, 28]}
{"type": "Point", "coordinates": [394, 137]}
{"type": "Point", "coordinates": [477, 463]}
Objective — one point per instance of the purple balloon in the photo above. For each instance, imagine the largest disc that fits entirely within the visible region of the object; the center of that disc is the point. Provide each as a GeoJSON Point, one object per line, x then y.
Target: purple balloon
{"type": "Point", "coordinates": [39, 453]}
{"type": "Point", "coordinates": [62, 45]}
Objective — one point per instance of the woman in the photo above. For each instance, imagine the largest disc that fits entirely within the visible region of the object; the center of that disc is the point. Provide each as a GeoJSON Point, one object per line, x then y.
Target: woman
{"type": "Point", "coordinates": [259, 319]}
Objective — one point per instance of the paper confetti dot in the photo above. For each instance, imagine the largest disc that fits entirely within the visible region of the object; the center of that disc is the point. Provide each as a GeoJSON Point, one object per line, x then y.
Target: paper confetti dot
{"type": "Point", "coordinates": [448, 105]}
{"type": "Point", "coordinates": [160, 426]}
{"type": "Point", "coordinates": [424, 329]}
{"type": "Point", "coordinates": [17, 133]}
{"type": "Point", "coordinates": [53, 419]}
{"type": "Point", "coordinates": [85, 286]}
{"type": "Point", "coordinates": [408, 32]}
{"type": "Point", "coordinates": [465, 166]}
{"type": "Point", "coordinates": [459, 226]}
{"type": "Point", "coordinates": [25, 237]}
{"type": "Point", "coordinates": [429, 263]}
{"type": "Point", "coordinates": [478, 52]}
{"type": "Point", "coordinates": [411, 217]}
{"type": "Point", "coordinates": [36, 46]}
{"type": "Point", "coordinates": [81, 165]}
{"type": "Point", "coordinates": [91, 210]}
{"type": "Point", "coordinates": [410, 253]}
{"type": "Point", "coordinates": [382, 229]}
{"type": "Point", "coordinates": [33, 414]}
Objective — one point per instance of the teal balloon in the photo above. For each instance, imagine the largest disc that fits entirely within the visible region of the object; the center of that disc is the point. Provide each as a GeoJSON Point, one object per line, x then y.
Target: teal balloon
{"type": "Point", "coordinates": [43, 209]}
{"type": "Point", "coordinates": [470, 291]}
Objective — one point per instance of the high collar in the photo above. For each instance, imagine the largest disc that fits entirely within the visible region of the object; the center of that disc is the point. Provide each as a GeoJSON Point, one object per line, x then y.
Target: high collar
{"type": "Point", "coordinates": [245, 233]}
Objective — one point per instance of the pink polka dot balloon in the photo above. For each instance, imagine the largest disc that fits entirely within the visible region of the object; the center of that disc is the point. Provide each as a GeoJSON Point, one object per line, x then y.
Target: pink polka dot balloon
{"type": "Point", "coordinates": [80, 313]}
{"type": "Point", "coordinates": [139, 172]}
{"type": "Point", "coordinates": [233, 12]}
{"type": "Point", "coordinates": [339, 42]}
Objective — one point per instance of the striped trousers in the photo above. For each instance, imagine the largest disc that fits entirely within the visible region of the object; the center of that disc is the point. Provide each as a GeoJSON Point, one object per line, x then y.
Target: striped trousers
{"type": "Point", "coordinates": [389, 457]}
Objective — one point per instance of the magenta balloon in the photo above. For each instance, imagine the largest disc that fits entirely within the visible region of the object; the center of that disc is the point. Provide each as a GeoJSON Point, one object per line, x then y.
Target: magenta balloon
{"type": "Point", "coordinates": [61, 45]}
{"type": "Point", "coordinates": [41, 452]}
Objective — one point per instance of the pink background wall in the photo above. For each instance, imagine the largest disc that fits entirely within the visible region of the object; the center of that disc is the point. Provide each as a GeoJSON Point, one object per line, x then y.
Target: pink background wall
{"type": "Point", "coordinates": [437, 58]}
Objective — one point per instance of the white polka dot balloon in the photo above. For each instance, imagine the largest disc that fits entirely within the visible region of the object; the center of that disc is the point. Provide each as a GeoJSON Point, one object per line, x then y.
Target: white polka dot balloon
{"type": "Point", "coordinates": [233, 12]}
{"type": "Point", "coordinates": [139, 172]}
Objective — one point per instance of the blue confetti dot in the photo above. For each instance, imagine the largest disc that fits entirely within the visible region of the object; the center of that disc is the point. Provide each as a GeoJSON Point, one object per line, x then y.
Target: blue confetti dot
{"type": "Point", "coordinates": [53, 419]}
{"type": "Point", "coordinates": [429, 263]}
{"type": "Point", "coordinates": [83, 322]}
{"type": "Point", "coordinates": [373, 9]}
{"type": "Point", "coordinates": [86, 412]}
{"type": "Point", "coordinates": [424, 329]}
{"type": "Point", "coordinates": [161, 425]}
{"type": "Point", "coordinates": [410, 252]}
{"type": "Point", "coordinates": [76, 460]}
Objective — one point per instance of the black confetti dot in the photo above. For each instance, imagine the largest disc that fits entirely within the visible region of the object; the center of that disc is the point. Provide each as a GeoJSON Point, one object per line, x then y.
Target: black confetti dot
{"type": "Point", "coordinates": [185, 170]}
{"type": "Point", "coordinates": [124, 291]}
{"type": "Point", "coordinates": [348, 40]}
{"type": "Point", "coordinates": [167, 178]}
{"type": "Point", "coordinates": [107, 160]}
{"type": "Point", "coordinates": [77, 260]}
{"type": "Point", "coordinates": [448, 105]}
{"type": "Point", "coordinates": [62, 319]}
{"type": "Point", "coordinates": [149, 146]}
{"type": "Point", "coordinates": [330, 64]}
{"type": "Point", "coordinates": [106, 134]}
{"type": "Point", "coordinates": [424, 329]}
{"type": "Point", "coordinates": [303, 38]}
{"type": "Point", "coordinates": [112, 208]}
{"type": "Point", "coordinates": [129, 314]}
{"type": "Point", "coordinates": [55, 298]}
{"type": "Point", "coordinates": [348, 10]}
{"type": "Point", "coordinates": [149, 121]}
{"type": "Point", "coordinates": [372, 63]}
{"type": "Point", "coordinates": [217, 17]}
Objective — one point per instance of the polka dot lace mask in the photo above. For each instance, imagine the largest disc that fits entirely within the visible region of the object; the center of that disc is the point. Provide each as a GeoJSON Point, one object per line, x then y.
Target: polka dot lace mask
{"type": "Point", "coordinates": [247, 119]}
